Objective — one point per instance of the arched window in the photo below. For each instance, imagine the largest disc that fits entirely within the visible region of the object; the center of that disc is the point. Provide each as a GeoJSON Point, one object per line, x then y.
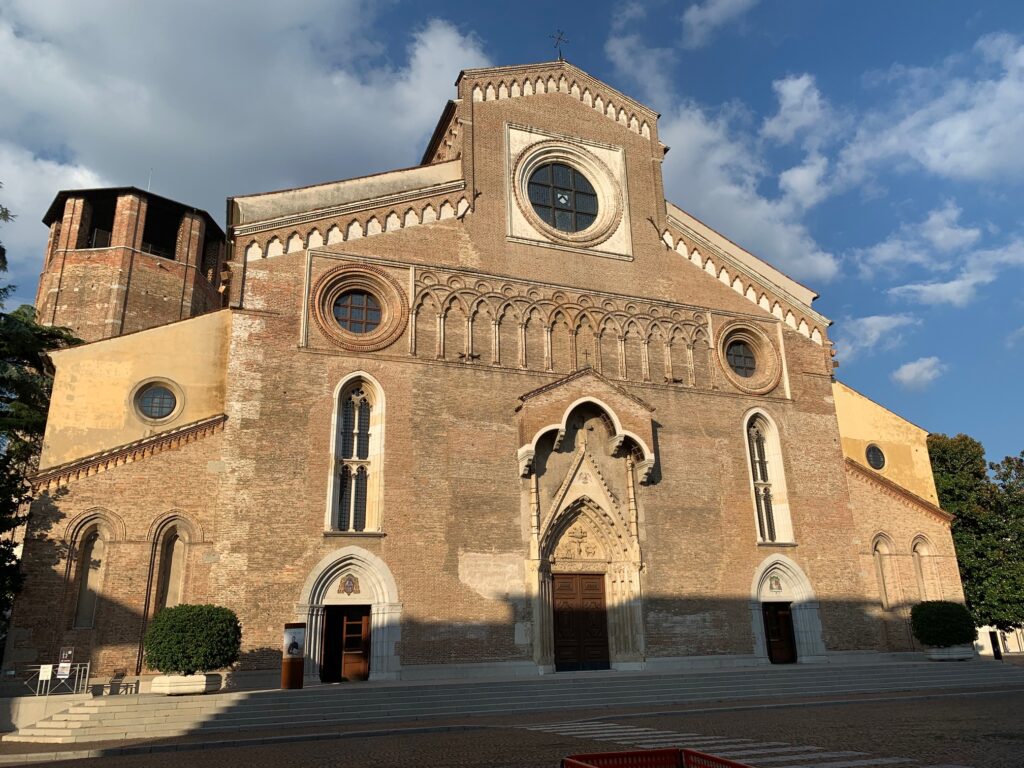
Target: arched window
{"type": "Point", "coordinates": [881, 553]}
{"type": "Point", "coordinates": [91, 561]}
{"type": "Point", "coordinates": [921, 552]}
{"type": "Point", "coordinates": [356, 476]}
{"type": "Point", "coordinates": [171, 577]}
{"type": "Point", "coordinates": [768, 481]}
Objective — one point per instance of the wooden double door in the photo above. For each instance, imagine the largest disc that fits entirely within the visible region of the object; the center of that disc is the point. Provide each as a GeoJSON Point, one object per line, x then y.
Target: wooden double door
{"type": "Point", "coordinates": [345, 653]}
{"type": "Point", "coordinates": [580, 621]}
{"type": "Point", "coordinates": [778, 632]}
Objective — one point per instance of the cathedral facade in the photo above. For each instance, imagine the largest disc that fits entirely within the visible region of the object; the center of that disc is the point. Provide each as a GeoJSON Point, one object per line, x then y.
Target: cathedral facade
{"type": "Point", "coordinates": [507, 412]}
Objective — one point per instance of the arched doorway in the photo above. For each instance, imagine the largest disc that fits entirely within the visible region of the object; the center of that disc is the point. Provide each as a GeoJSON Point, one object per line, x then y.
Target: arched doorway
{"type": "Point", "coordinates": [352, 614]}
{"type": "Point", "coordinates": [784, 614]}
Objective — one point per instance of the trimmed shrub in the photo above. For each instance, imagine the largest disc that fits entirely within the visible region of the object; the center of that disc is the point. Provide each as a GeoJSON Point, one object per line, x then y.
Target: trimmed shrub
{"type": "Point", "coordinates": [187, 639]}
{"type": "Point", "coordinates": [940, 624]}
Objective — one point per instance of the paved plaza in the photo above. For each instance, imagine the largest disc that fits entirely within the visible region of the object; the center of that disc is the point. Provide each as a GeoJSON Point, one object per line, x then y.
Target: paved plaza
{"type": "Point", "coordinates": [955, 730]}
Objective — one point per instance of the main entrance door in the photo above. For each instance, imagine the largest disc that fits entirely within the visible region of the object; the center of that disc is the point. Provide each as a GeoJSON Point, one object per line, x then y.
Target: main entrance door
{"type": "Point", "coordinates": [778, 632]}
{"type": "Point", "coordinates": [346, 643]}
{"type": "Point", "coordinates": [580, 622]}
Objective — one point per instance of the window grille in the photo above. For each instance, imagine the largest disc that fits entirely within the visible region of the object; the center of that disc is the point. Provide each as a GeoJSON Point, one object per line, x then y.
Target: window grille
{"type": "Point", "coordinates": [762, 482]}
{"type": "Point", "coordinates": [354, 463]}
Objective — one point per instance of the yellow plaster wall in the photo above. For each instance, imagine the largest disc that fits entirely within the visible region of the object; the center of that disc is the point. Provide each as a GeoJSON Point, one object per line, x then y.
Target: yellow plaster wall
{"type": "Point", "coordinates": [905, 445]}
{"type": "Point", "coordinates": [91, 408]}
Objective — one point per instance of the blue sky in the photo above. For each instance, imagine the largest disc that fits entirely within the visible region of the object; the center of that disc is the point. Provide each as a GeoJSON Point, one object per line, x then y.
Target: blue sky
{"type": "Point", "coordinates": [874, 151]}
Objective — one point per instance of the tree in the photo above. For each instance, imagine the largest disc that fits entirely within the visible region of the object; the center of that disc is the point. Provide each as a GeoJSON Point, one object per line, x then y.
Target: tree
{"type": "Point", "coordinates": [25, 382]}
{"type": "Point", "coordinates": [988, 531]}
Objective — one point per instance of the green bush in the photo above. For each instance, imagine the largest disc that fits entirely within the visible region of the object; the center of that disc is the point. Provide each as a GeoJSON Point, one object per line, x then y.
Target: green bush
{"type": "Point", "coordinates": [187, 639]}
{"type": "Point", "coordinates": [940, 623]}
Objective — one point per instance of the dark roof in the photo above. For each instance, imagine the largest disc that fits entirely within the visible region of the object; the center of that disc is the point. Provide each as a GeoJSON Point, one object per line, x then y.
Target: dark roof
{"type": "Point", "coordinates": [56, 209]}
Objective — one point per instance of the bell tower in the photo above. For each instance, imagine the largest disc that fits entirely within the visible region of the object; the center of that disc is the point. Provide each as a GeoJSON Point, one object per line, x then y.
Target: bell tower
{"type": "Point", "coordinates": [120, 260]}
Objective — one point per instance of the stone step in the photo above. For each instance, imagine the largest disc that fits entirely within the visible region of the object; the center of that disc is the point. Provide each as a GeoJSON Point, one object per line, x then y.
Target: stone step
{"type": "Point", "coordinates": [150, 716]}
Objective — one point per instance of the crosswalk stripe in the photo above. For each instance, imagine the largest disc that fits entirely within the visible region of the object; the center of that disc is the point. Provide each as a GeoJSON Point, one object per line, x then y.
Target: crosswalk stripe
{"type": "Point", "coordinates": [871, 761]}
{"type": "Point", "coordinates": [813, 756]}
{"type": "Point", "coordinates": [767, 750]}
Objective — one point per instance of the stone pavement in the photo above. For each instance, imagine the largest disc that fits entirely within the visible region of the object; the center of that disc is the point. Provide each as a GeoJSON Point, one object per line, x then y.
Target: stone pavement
{"type": "Point", "coordinates": [975, 729]}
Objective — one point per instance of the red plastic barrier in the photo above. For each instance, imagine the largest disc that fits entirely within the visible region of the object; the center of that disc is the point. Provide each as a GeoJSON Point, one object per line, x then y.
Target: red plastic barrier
{"type": "Point", "coordinates": [650, 758]}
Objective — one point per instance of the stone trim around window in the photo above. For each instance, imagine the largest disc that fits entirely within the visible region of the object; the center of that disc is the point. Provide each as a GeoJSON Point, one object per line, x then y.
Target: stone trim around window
{"type": "Point", "coordinates": [389, 294]}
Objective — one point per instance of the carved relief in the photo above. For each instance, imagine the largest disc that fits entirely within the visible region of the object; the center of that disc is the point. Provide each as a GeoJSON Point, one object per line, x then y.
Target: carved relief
{"type": "Point", "coordinates": [579, 542]}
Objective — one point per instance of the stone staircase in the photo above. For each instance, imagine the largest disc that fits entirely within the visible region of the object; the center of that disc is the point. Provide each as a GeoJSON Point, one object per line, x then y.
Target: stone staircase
{"type": "Point", "coordinates": [149, 717]}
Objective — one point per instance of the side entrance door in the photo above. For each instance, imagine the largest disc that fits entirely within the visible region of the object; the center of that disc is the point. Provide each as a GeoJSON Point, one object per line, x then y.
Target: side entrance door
{"type": "Point", "coordinates": [580, 622]}
{"type": "Point", "coordinates": [778, 632]}
{"type": "Point", "coordinates": [346, 643]}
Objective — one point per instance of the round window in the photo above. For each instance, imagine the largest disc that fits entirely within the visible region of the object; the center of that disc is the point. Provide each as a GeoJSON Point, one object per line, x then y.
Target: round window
{"type": "Point", "coordinates": [156, 401]}
{"type": "Point", "coordinates": [563, 197]}
{"type": "Point", "coordinates": [740, 357]}
{"type": "Point", "coordinates": [876, 459]}
{"type": "Point", "coordinates": [357, 311]}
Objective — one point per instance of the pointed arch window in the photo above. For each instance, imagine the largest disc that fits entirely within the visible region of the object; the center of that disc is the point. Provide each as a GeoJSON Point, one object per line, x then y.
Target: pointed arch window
{"type": "Point", "coordinates": [171, 576]}
{"type": "Point", "coordinates": [881, 553]}
{"type": "Point", "coordinates": [920, 553]}
{"type": "Point", "coordinates": [91, 568]}
{"type": "Point", "coordinates": [768, 481]}
{"type": "Point", "coordinates": [355, 480]}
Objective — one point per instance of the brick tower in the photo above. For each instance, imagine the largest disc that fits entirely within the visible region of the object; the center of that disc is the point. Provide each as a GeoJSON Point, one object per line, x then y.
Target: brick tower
{"type": "Point", "coordinates": [120, 260]}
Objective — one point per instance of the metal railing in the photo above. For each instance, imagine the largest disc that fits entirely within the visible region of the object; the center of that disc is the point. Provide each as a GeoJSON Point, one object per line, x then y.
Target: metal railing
{"type": "Point", "coordinates": [47, 679]}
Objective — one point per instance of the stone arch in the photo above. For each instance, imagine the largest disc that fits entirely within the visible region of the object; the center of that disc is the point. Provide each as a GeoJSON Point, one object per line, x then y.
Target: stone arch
{"type": "Point", "coordinates": [377, 425]}
{"type": "Point", "coordinates": [612, 552]}
{"type": "Point", "coordinates": [376, 586]}
{"type": "Point", "coordinates": [780, 579]}
{"type": "Point", "coordinates": [929, 587]}
{"type": "Point", "coordinates": [782, 523]}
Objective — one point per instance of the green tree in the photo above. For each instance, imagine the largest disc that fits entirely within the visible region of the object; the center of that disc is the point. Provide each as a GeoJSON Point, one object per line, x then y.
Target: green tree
{"type": "Point", "coordinates": [988, 531]}
{"type": "Point", "coordinates": [25, 381]}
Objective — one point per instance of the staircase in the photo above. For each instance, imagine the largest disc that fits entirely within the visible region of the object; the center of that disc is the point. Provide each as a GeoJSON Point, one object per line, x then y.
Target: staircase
{"type": "Point", "coordinates": [149, 717]}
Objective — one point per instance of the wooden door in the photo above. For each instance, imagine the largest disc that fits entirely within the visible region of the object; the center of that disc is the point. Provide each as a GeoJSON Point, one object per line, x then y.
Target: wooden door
{"type": "Point", "coordinates": [345, 653]}
{"type": "Point", "coordinates": [355, 658]}
{"type": "Point", "coordinates": [580, 622]}
{"type": "Point", "coordinates": [778, 633]}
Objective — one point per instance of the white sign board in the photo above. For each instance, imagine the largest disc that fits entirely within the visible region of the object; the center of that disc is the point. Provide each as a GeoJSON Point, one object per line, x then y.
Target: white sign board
{"type": "Point", "coordinates": [46, 671]}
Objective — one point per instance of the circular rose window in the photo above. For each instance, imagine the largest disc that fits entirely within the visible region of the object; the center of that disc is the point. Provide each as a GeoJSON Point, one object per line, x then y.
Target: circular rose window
{"type": "Point", "coordinates": [563, 197]}
{"type": "Point", "coordinates": [155, 401]}
{"type": "Point", "coordinates": [359, 307]}
{"type": "Point", "coordinates": [357, 311]}
{"type": "Point", "coordinates": [740, 357]}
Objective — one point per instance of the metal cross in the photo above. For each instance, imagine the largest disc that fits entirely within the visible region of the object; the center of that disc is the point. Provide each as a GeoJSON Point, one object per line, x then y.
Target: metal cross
{"type": "Point", "coordinates": [586, 355]}
{"type": "Point", "coordinates": [560, 40]}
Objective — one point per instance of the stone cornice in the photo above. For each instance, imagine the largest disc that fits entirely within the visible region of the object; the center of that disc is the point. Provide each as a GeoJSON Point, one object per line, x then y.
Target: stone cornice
{"type": "Point", "coordinates": [355, 207]}
{"type": "Point", "coordinates": [62, 474]}
{"type": "Point", "coordinates": [897, 491]}
{"type": "Point", "coordinates": [753, 286]}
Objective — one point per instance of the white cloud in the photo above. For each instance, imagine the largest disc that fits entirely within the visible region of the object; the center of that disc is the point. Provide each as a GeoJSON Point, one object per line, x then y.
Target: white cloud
{"type": "Point", "coordinates": [30, 184]}
{"type": "Point", "coordinates": [648, 67]}
{"type": "Point", "coordinates": [927, 244]}
{"type": "Point", "coordinates": [857, 335]}
{"type": "Point", "coordinates": [806, 185]}
{"type": "Point", "coordinates": [701, 20]}
{"type": "Point", "coordinates": [979, 268]}
{"type": "Point", "coordinates": [1015, 337]}
{"type": "Point", "coordinates": [714, 173]}
{"type": "Point", "coordinates": [803, 112]}
{"type": "Point", "coordinates": [961, 127]}
{"type": "Point", "coordinates": [940, 229]}
{"type": "Point", "coordinates": [918, 374]}
{"type": "Point", "coordinates": [215, 101]}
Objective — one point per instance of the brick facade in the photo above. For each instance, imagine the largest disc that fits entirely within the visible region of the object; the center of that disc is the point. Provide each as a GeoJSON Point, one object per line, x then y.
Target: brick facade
{"type": "Point", "coordinates": [503, 459]}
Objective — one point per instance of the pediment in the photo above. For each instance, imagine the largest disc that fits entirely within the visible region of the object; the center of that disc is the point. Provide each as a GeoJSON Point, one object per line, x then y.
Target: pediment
{"type": "Point", "coordinates": [546, 410]}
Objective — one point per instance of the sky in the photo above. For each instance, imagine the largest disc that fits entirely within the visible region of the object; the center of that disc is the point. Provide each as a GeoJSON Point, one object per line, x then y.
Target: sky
{"type": "Point", "coordinates": [873, 151]}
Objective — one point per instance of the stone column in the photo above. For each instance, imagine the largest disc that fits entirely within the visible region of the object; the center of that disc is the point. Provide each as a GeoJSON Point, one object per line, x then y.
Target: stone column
{"type": "Point", "coordinates": [129, 221]}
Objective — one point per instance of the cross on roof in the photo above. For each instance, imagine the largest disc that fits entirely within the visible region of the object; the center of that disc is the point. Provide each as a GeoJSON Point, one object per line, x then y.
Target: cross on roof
{"type": "Point", "coordinates": [560, 40]}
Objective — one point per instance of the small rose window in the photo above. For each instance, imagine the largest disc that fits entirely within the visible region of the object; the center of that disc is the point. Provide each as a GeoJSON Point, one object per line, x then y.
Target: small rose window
{"type": "Point", "coordinates": [357, 311]}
